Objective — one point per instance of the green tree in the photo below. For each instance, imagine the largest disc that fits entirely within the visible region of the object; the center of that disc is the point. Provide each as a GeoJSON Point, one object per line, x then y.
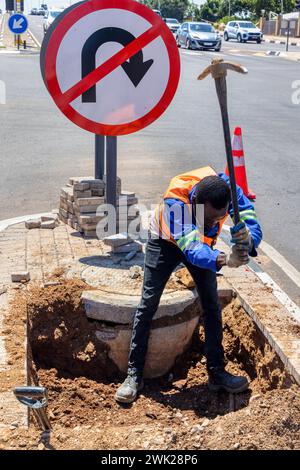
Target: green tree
{"type": "Point", "coordinates": [213, 10]}
{"type": "Point", "coordinates": [236, 6]}
{"type": "Point", "coordinates": [209, 10]}
{"type": "Point", "coordinates": [170, 8]}
{"type": "Point", "coordinates": [272, 5]}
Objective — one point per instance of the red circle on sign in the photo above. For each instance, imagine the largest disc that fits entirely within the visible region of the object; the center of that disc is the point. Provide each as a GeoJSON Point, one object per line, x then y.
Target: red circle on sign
{"type": "Point", "coordinates": [158, 27]}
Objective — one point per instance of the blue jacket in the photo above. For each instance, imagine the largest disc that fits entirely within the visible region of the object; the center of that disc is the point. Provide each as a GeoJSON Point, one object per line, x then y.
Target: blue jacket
{"type": "Point", "coordinates": [197, 252]}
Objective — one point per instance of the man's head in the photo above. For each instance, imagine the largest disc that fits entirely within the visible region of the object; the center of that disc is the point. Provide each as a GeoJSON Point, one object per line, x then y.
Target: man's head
{"type": "Point", "coordinates": [214, 193]}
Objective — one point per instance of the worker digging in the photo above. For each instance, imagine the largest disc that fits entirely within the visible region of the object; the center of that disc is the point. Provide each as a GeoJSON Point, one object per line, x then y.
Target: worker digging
{"type": "Point", "coordinates": [179, 234]}
{"type": "Point", "coordinates": [177, 238]}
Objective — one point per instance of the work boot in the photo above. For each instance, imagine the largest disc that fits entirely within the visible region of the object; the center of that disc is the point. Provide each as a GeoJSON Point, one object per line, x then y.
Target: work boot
{"type": "Point", "coordinates": [127, 392]}
{"type": "Point", "coordinates": [219, 379]}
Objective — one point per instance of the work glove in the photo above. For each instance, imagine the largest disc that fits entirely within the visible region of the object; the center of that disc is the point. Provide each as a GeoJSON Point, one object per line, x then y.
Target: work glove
{"type": "Point", "coordinates": [241, 236]}
{"type": "Point", "coordinates": [237, 257]}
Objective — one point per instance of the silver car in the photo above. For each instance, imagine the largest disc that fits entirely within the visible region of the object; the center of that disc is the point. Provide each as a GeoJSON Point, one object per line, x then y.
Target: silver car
{"type": "Point", "coordinates": [242, 31]}
{"type": "Point", "coordinates": [201, 36]}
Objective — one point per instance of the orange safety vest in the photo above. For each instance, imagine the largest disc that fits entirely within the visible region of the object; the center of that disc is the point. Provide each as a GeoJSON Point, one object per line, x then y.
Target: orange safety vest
{"type": "Point", "coordinates": [179, 189]}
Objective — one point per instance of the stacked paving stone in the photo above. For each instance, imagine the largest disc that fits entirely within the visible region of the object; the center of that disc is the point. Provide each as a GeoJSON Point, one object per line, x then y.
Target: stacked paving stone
{"type": "Point", "coordinates": [80, 199]}
{"type": "Point", "coordinates": [122, 243]}
{"type": "Point", "coordinates": [45, 221]}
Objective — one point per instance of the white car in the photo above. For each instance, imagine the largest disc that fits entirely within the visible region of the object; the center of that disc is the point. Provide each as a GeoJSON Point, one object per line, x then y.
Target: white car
{"type": "Point", "coordinates": [158, 12]}
{"type": "Point", "coordinates": [172, 23]}
{"type": "Point", "coordinates": [50, 16]}
{"type": "Point", "coordinates": [242, 31]}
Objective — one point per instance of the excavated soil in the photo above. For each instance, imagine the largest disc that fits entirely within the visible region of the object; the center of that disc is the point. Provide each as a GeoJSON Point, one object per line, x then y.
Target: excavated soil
{"type": "Point", "coordinates": [176, 411]}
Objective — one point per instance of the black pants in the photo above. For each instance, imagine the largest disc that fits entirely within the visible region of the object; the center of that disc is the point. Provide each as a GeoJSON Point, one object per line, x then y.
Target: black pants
{"type": "Point", "coordinates": [161, 258]}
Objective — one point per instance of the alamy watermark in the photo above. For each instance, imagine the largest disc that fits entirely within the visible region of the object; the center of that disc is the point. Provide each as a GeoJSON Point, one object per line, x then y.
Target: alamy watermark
{"type": "Point", "coordinates": [141, 222]}
{"type": "Point", "coordinates": [296, 93]}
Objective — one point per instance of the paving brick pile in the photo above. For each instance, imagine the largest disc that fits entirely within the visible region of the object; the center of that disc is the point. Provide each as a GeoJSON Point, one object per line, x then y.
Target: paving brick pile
{"type": "Point", "coordinates": [81, 200]}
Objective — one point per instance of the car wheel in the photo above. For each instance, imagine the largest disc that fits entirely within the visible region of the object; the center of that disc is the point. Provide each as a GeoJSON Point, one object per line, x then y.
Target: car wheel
{"type": "Point", "coordinates": [217, 49]}
{"type": "Point", "coordinates": [177, 42]}
{"type": "Point", "coordinates": [258, 41]}
{"type": "Point", "coordinates": [239, 38]}
{"type": "Point", "coordinates": [226, 38]}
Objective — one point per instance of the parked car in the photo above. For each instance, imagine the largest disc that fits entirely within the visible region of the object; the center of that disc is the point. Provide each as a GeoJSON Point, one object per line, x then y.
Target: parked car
{"type": "Point", "coordinates": [41, 11]}
{"type": "Point", "coordinates": [242, 31]}
{"type": "Point", "coordinates": [173, 24]}
{"type": "Point", "coordinates": [194, 35]}
{"type": "Point", "coordinates": [34, 11]}
{"type": "Point", "coordinates": [158, 12]}
{"type": "Point", "coordinates": [49, 17]}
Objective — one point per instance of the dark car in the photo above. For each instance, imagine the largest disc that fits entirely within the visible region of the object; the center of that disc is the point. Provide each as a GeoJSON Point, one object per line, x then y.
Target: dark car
{"type": "Point", "coordinates": [201, 36]}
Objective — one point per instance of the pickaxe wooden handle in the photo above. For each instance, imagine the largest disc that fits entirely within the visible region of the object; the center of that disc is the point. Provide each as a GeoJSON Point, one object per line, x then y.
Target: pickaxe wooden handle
{"type": "Point", "coordinates": [218, 70]}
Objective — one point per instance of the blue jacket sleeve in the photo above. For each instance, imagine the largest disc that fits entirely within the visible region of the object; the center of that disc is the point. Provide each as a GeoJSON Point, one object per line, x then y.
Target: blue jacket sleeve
{"type": "Point", "coordinates": [247, 215]}
{"type": "Point", "coordinates": [187, 236]}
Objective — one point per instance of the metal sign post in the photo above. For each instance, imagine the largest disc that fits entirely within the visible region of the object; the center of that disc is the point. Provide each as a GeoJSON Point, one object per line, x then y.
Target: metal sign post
{"type": "Point", "coordinates": [288, 35]}
{"type": "Point", "coordinates": [111, 170]}
{"type": "Point", "coordinates": [99, 156]}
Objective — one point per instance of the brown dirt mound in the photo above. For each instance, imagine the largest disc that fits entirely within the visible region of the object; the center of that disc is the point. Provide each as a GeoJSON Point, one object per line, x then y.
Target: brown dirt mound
{"type": "Point", "coordinates": [84, 414]}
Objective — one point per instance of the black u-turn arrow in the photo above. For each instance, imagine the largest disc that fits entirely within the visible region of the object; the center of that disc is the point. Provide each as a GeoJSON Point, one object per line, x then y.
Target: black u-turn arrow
{"type": "Point", "coordinates": [135, 68]}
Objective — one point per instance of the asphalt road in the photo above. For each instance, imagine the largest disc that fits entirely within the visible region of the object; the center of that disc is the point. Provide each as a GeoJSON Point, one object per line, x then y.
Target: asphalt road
{"type": "Point", "coordinates": [36, 26]}
{"type": "Point", "coordinates": [40, 148]}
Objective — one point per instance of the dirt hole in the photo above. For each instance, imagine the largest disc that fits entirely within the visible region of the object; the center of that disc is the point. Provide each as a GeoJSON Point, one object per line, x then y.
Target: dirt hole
{"type": "Point", "coordinates": [68, 359]}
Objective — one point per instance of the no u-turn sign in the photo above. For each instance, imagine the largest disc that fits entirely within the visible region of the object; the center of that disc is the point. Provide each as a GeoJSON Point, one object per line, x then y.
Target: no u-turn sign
{"type": "Point", "coordinates": [111, 66]}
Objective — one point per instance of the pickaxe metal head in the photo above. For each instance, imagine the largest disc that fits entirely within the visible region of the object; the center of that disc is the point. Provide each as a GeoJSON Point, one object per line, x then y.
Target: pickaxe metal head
{"type": "Point", "coordinates": [218, 69]}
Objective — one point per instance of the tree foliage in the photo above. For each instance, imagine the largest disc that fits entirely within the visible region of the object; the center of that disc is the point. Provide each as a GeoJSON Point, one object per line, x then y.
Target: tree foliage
{"type": "Point", "coordinates": [213, 10]}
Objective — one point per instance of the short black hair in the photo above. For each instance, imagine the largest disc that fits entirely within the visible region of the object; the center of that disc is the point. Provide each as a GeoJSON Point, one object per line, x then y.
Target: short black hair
{"type": "Point", "coordinates": [214, 190]}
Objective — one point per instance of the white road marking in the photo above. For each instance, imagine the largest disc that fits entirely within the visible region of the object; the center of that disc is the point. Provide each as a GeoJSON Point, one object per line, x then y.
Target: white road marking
{"type": "Point", "coordinates": [283, 298]}
{"type": "Point", "coordinates": [191, 52]}
{"type": "Point", "coordinates": [34, 38]}
{"type": "Point", "coordinates": [10, 52]}
{"type": "Point", "coordinates": [284, 265]}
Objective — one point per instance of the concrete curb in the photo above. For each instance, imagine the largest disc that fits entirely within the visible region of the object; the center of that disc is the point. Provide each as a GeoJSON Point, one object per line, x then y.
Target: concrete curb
{"type": "Point", "coordinates": [273, 53]}
{"type": "Point", "coordinates": [272, 41]}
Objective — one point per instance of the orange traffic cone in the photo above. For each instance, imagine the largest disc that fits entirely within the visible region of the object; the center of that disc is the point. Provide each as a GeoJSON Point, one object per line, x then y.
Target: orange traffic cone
{"type": "Point", "coordinates": [239, 163]}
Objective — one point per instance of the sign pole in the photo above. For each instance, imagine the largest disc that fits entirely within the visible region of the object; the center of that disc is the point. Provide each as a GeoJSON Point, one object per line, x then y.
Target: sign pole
{"type": "Point", "coordinates": [288, 35]}
{"type": "Point", "coordinates": [111, 170]}
{"type": "Point", "coordinates": [99, 156]}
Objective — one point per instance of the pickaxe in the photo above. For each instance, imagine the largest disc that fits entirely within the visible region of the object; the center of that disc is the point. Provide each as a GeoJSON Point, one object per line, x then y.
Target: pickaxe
{"type": "Point", "coordinates": [218, 70]}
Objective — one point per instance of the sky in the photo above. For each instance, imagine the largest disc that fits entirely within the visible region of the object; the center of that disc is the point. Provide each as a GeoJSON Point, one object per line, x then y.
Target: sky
{"type": "Point", "coordinates": [59, 3]}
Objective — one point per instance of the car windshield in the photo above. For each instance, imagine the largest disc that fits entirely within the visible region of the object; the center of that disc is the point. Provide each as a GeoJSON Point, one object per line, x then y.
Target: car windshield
{"type": "Point", "coordinates": [54, 14]}
{"type": "Point", "coordinates": [172, 20]}
{"type": "Point", "coordinates": [206, 28]}
{"type": "Point", "coordinates": [247, 24]}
